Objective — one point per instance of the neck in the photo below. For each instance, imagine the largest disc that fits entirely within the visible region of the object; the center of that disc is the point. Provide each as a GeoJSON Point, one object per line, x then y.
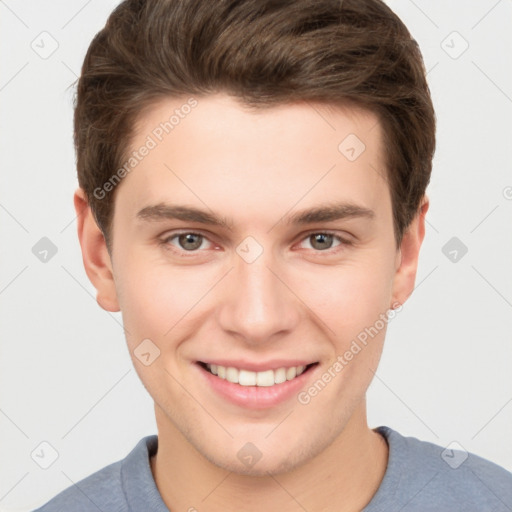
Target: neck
{"type": "Point", "coordinates": [342, 478]}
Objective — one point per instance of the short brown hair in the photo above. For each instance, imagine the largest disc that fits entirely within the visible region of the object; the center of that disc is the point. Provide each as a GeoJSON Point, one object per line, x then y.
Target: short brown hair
{"type": "Point", "coordinates": [264, 53]}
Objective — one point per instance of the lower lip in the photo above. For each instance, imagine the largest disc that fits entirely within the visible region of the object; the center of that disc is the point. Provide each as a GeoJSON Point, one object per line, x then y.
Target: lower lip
{"type": "Point", "coordinates": [256, 397]}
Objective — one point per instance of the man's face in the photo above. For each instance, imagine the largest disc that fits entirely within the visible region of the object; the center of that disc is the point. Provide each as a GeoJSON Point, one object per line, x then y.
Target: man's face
{"type": "Point", "coordinates": [216, 261]}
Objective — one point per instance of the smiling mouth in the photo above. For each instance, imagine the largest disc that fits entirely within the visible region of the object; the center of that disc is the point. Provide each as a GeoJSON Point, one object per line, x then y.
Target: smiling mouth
{"type": "Point", "coordinates": [265, 378]}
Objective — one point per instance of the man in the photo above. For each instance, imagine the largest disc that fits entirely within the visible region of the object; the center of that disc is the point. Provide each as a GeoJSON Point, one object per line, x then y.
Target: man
{"type": "Point", "coordinates": [252, 199]}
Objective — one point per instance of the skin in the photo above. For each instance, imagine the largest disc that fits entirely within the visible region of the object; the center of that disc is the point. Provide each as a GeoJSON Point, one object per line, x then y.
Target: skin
{"type": "Point", "coordinates": [255, 169]}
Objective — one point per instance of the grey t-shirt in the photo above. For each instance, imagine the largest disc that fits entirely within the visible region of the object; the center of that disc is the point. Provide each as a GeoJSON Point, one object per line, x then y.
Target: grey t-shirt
{"type": "Point", "coordinates": [420, 477]}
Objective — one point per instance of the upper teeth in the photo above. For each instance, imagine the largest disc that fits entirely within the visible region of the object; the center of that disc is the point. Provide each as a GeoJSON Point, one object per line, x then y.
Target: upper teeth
{"type": "Point", "coordinates": [248, 378]}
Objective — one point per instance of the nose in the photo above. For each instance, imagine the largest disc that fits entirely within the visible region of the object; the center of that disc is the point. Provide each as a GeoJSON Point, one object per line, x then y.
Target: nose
{"type": "Point", "coordinates": [258, 305]}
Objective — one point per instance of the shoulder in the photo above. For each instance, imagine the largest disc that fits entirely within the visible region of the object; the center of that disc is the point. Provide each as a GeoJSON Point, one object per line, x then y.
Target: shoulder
{"type": "Point", "coordinates": [424, 476]}
{"type": "Point", "coordinates": [104, 489]}
{"type": "Point", "coordinates": [103, 485]}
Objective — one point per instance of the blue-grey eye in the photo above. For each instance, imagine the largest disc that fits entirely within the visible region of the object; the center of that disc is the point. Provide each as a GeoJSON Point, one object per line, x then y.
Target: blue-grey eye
{"type": "Point", "coordinates": [321, 241]}
{"type": "Point", "coordinates": [190, 241]}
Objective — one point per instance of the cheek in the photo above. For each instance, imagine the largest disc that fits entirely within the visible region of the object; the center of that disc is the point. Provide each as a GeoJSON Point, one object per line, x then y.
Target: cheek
{"type": "Point", "coordinates": [352, 304]}
{"type": "Point", "coordinates": [349, 297]}
{"type": "Point", "coordinates": [154, 297]}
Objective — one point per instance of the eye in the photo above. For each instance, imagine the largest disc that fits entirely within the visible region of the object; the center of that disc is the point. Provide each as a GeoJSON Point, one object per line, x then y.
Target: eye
{"type": "Point", "coordinates": [322, 241]}
{"type": "Point", "coordinates": [188, 241]}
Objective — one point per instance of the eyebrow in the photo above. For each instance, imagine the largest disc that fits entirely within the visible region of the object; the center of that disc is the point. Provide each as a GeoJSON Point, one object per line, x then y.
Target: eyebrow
{"type": "Point", "coordinates": [327, 213]}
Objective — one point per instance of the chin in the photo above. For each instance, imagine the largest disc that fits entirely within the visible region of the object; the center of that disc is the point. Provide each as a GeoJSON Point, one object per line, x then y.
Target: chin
{"type": "Point", "coordinates": [269, 458]}
{"type": "Point", "coordinates": [274, 466]}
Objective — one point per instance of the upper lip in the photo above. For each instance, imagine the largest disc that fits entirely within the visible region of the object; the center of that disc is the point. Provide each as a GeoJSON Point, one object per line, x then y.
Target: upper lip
{"type": "Point", "coordinates": [253, 366]}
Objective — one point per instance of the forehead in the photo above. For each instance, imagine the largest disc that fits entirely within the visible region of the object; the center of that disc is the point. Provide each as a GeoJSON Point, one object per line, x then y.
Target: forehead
{"type": "Point", "coordinates": [212, 151]}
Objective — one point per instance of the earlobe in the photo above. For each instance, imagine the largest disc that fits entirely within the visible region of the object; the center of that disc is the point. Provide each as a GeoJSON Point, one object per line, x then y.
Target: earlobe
{"type": "Point", "coordinates": [95, 255]}
{"type": "Point", "coordinates": [408, 255]}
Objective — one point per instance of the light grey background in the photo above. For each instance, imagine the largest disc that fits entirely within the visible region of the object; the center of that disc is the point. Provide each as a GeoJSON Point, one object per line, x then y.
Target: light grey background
{"type": "Point", "coordinates": [65, 373]}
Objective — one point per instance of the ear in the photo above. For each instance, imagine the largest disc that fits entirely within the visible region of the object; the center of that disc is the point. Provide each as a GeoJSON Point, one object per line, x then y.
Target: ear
{"type": "Point", "coordinates": [408, 254]}
{"type": "Point", "coordinates": [95, 255]}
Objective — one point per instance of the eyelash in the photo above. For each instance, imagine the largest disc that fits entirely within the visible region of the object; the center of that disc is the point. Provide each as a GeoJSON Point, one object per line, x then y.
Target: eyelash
{"type": "Point", "coordinates": [165, 242]}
